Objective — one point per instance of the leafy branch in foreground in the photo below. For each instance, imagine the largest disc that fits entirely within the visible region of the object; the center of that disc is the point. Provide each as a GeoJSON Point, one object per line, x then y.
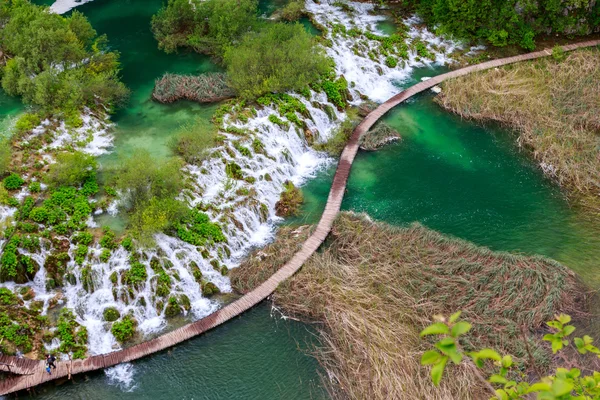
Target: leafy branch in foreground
{"type": "Point", "coordinates": [507, 382]}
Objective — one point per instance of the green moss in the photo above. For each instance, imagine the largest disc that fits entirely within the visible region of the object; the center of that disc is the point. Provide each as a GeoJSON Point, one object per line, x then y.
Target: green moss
{"type": "Point", "coordinates": [196, 273]}
{"type": "Point", "coordinates": [278, 121]}
{"type": "Point", "coordinates": [209, 288]}
{"type": "Point", "coordinates": [233, 170]}
{"type": "Point", "coordinates": [173, 309]}
{"type": "Point", "coordinates": [105, 255]}
{"type": "Point", "coordinates": [391, 62]}
{"type": "Point", "coordinates": [111, 314]}
{"type": "Point", "coordinates": [72, 336]}
{"type": "Point", "coordinates": [136, 275]}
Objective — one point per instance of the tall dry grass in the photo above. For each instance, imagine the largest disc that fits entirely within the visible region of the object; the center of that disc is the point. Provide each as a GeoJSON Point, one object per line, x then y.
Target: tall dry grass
{"type": "Point", "coordinates": [375, 287]}
{"type": "Point", "coordinates": [555, 107]}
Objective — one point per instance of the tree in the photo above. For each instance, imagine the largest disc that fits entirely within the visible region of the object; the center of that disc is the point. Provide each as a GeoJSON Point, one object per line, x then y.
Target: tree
{"type": "Point", "coordinates": [278, 58]}
{"type": "Point", "coordinates": [72, 169]}
{"type": "Point", "coordinates": [57, 63]}
{"type": "Point", "coordinates": [563, 384]}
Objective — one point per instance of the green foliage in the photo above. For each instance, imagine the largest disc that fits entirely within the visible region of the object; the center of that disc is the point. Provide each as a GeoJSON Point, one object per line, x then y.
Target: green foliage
{"type": "Point", "coordinates": [72, 336]}
{"type": "Point", "coordinates": [278, 121]}
{"type": "Point", "coordinates": [56, 62]}
{"type": "Point", "coordinates": [563, 384]}
{"type": "Point", "coordinates": [336, 90]}
{"type": "Point", "coordinates": [336, 143]}
{"type": "Point", "coordinates": [73, 169]}
{"type": "Point", "coordinates": [27, 122]}
{"type": "Point", "coordinates": [278, 58]}
{"type": "Point", "coordinates": [206, 26]}
{"type": "Point", "coordinates": [391, 62]}
{"type": "Point", "coordinates": [35, 187]}
{"type": "Point", "coordinates": [111, 314]}
{"type": "Point", "coordinates": [290, 200]}
{"type": "Point", "coordinates": [109, 240]}
{"type": "Point", "coordinates": [233, 171]}
{"type": "Point", "coordinates": [136, 275]}
{"type": "Point", "coordinates": [13, 182]}
{"type": "Point", "coordinates": [558, 53]}
{"type": "Point", "coordinates": [196, 228]}
{"type": "Point", "coordinates": [508, 22]}
{"type": "Point", "coordinates": [7, 297]}
{"type": "Point", "coordinates": [194, 140]}
{"type": "Point", "coordinates": [293, 10]}
{"type": "Point", "coordinates": [66, 209]}
{"type": "Point", "coordinates": [124, 330]}
{"type": "Point", "coordinates": [5, 156]}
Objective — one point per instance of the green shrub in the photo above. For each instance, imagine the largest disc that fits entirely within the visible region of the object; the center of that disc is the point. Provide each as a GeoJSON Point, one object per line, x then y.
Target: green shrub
{"type": "Point", "coordinates": [27, 122]}
{"type": "Point", "coordinates": [293, 10]}
{"type": "Point", "coordinates": [391, 62]}
{"type": "Point", "coordinates": [72, 169]}
{"type": "Point", "coordinates": [124, 330]}
{"type": "Point", "coordinates": [35, 187]}
{"type": "Point", "coordinates": [13, 182]}
{"type": "Point", "coordinates": [193, 141]}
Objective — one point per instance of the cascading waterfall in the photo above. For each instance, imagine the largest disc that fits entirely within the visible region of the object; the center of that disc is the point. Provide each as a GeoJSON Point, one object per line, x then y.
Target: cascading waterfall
{"type": "Point", "coordinates": [268, 154]}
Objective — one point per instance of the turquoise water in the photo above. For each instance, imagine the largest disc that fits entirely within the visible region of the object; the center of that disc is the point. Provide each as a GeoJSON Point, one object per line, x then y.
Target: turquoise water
{"type": "Point", "coordinates": [255, 356]}
{"type": "Point", "coordinates": [468, 181]}
{"type": "Point", "coordinates": [10, 107]}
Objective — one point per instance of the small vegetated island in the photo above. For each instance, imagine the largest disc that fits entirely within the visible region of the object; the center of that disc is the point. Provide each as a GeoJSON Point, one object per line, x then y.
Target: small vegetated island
{"type": "Point", "coordinates": [374, 287]}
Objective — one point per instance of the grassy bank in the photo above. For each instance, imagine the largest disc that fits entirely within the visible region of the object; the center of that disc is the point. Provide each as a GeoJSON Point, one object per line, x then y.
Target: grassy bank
{"type": "Point", "coordinates": [553, 103]}
{"type": "Point", "coordinates": [374, 287]}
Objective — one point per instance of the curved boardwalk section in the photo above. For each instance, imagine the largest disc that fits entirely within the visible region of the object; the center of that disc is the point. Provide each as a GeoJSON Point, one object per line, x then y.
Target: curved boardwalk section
{"type": "Point", "coordinates": [31, 373]}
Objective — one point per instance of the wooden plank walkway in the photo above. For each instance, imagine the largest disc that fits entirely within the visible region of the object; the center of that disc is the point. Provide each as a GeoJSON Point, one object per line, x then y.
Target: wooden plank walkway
{"type": "Point", "coordinates": [30, 373]}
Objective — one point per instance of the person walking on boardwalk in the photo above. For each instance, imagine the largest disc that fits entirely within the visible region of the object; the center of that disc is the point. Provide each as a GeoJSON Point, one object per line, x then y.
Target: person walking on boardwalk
{"type": "Point", "coordinates": [50, 359]}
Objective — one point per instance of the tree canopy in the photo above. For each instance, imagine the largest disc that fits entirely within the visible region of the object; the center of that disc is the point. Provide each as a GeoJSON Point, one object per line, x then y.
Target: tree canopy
{"type": "Point", "coordinates": [278, 58]}
{"type": "Point", "coordinates": [54, 62]}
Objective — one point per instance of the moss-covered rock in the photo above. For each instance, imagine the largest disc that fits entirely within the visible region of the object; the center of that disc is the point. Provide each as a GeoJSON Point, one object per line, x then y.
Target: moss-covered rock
{"type": "Point", "coordinates": [124, 330]}
{"type": "Point", "coordinates": [111, 314]}
{"type": "Point", "coordinates": [173, 309]}
{"type": "Point", "coordinates": [209, 289]}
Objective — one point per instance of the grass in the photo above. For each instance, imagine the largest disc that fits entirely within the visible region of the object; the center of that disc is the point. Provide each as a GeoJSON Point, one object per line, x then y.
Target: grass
{"type": "Point", "coordinates": [554, 107]}
{"type": "Point", "coordinates": [375, 287]}
{"type": "Point", "coordinates": [205, 88]}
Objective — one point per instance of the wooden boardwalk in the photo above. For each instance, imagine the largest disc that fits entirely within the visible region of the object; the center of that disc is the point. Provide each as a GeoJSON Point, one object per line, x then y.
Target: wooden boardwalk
{"type": "Point", "coordinates": [30, 373]}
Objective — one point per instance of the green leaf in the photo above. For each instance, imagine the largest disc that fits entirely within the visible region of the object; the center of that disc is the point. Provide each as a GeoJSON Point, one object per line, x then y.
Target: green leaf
{"type": "Point", "coordinates": [556, 345]}
{"type": "Point", "coordinates": [489, 353]}
{"type": "Point", "coordinates": [430, 357]}
{"type": "Point", "coordinates": [455, 356]}
{"type": "Point", "coordinates": [438, 370]}
{"type": "Point", "coordinates": [454, 317]}
{"type": "Point", "coordinates": [498, 379]}
{"type": "Point", "coordinates": [564, 318]}
{"type": "Point", "coordinates": [569, 329]}
{"type": "Point", "coordinates": [460, 328]}
{"type": "Point", "coordinates": [561, 387]}
{"type": "Point", "coordinates": [435, 329]}
{"type": "Point", "coordinates": [502, 394]}
{"type": "Point", "coordinates": [580, 345]}
{"type": "Point", "coordinates": [539, 387]}
{"type": "Point", "coordinates": [507, 361]}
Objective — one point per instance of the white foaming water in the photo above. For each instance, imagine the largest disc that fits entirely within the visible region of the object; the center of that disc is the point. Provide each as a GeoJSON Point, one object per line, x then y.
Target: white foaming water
{"type": "Point", "coordinates": [122, 376]}
{"type": "Point", "coordinates": [372, 78]}
{"type": "Point", "coordinates": [62, 6]}
{"type": "Point", "coordinates": [244, 208]}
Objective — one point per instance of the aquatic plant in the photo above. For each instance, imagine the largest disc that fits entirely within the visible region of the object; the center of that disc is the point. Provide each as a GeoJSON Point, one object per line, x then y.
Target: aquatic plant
{"type": "Point", "coordinates": [375, 287]}
{"type": "Point", "coordinates": [205, 88]}
{"type": "Point", "coordinates": [124, 329]}
{"type": "Point", "coordinates": [290, 200]}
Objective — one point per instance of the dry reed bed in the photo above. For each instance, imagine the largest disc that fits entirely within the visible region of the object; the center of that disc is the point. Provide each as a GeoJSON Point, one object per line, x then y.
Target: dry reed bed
{"type": "Point", "coordinates": [554, 106]}
{"type": "Point", "coordinates": [204, 88]}
{"type": "Point", "coordinates": [375, 287]}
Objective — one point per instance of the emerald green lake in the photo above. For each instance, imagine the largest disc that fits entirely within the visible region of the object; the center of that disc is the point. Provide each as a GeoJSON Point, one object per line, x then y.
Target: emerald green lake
{"type": "Point", "coordinates": [468, 181]}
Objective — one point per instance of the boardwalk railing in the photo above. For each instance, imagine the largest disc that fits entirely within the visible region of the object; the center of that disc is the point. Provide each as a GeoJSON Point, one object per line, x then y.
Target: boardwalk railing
{"type": "Point", "coordinates": [30, 373]}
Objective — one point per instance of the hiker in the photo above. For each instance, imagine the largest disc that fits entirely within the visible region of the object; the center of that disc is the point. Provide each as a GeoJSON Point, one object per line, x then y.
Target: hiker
{"type": "Point", "coordinates": [50, 359]}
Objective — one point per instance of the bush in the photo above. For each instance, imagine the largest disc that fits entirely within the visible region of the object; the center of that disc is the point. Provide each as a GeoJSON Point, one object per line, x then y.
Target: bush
{"type": "Point", "coordinates": [290, 200]}
{"type": "Point", "coordinates": [125, 329]}
{"type": "Point", "coordinates": [293, 10]}
{"type": "Point", "coordinates": [391, 62]}
{"type": "Point", "coordinates": [193, 140]}
{"type": "Point", "coordinates": [35, 187]}
{"type": "Point", "coordinates": [13, 182]}
{"type": "Point", "coordinates": [72, 169]}
{"type": "Point", "coordinates": [27, 122]}
{"type": "Point", "coordinates": [279, 58]}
